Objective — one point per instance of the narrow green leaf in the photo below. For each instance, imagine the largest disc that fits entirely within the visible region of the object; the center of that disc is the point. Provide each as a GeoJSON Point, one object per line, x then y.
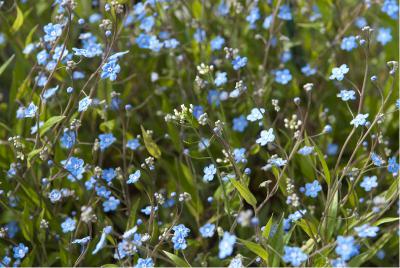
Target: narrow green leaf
{"type": "Point", "coordinates": [267, 228]}
{"type": "Point", "coordinates": [151, 146]}
{"type": "Point", "coordinates": [5, 65]}
{"type": "Point", "coordinates": [107, 126]}
{"type": "Point", "coordinates": [244, 192]}
{"type": "Point", "coordinates": [324, 165]}
{"type": "Point", "coordinates": [177, 260]}
{"type": "Point", "coordinates": [19, 20]}
{"type": "Point", "coordinates": [386, 220]}
{"type": "Point", "coordinates": [49, 123]}
{"type": "Point", "coordinates": [357, 261]}
{"type": "Point", "coordinates": [256, 248]}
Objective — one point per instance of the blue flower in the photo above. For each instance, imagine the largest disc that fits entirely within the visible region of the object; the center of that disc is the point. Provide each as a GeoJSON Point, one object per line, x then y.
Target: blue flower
{"type": "Point", "coordinates": [217, 43]}
{"type": "Point", "coordinates": [253, 16]}
{"type": "Point", "coordinates": [82, 241]}
{"type": "Point", "coordinates": [239, 62]}
{"type": "Point", "coordinates": [179, 237]}
{"type": "Point", "coordinates": [359, 120]}
{"type": "Point", "coordinates": [52, 31]}
{"type": "Point", "coordinates": [294, 255]}
{"type": "Point", "coordinates": [297, 215]}
{"type": "Point", "coordinates": [203, 144]}
{"type": "Point", "coordinates": [199, 35]}
{"type": "Point", "coordinates": [68, 138]}
{"type": "Point", "coordinates": [282, 76]}
{"type": "Point", "coordinates": [108, 174]}
{"type": "Point", "coordinates": [106, 140]}
{"type": "Point", "coordinates": [308, 71]}
{"type": "Point", "coordinates": [84, 104]}
{"type": "Point", "coordinates": [30, 111]}
{"type": "Point", "coordinates": [226, 245]}
{"type": "Point", "coordinates": [207, 230]}
{"type": "Point", "coordinates": [377, 160]}
{"type": "Point", "coordinates": [20, 251]}
{"type": "Point", "coordinates": [346, 247]}
{"type": "Point", "coordinates": [213, 97]}
{"type": "Point", "coordinates": [144, 263]}
{"type": "Point", "coordinates": [55, 195]}
{"type": "Point", "coordinates": [391, 8]}
{"type": "Point", "coordinates": [348, 43]}
{"type": "Point", "coordinates": [239, 123]}
{"type": "Point", "coordinates": [147, 210]}
{"type": "Point", "coordinates": [267, 22]}
{"type": "Point", "coordinates": [285, 13]}
{"type": "Point", "coordinates": [102, 191]}
{"type": "Point", "coordinates": [220, 79]}
{"type": "Point", "coordinates": [366, 230]}
{"type": "Point", "coordinates": [266, 136]}
{"type": "Point", "coordinates": [42, 57]}
{"type": "Point", "coordinates": [75, 167]}
{"type": "Point", "coordinates": [147, 24]}
{"type": "Point", "coordinates": [111, 204]}
{"type": "Point", "coordinates": [306, 150]}
{"type": "Point", "coordinates": [339, 262]}
{"type": "Point", "coordinates": [240, 155]}
{"type": "Point", "coordinates": [312, 189]}
{"type": "Point", "coordinates": [106, 230]}
{"type": "Point", "coordinates": [346, 95]}
{"type": "Point", "coordinates": [68, 225]}
{"type": "Point", "coordinates": [209, 172]}
{"type": "Point", "coordinates": [256, 114]}
{"type": "Point", "coordinates": [110, 70]}
{"type": "Point", "coordinates": [393, 166]}
{"type": "Point", "coordinates": [133, 144]}
{"type": "Point", "coordinates": [361, 22]}
{"type": "Point", "coordinates": [384, 35]}
{"type": "Point", "coordinates": [369, 182]}
{"type": "Point", "coordinates": [50, 92]}
{"type": "Point", "coordinates": [339, 72]}
{"type": "Point", "coordinates": [198, 110]}
{"type": "Point", "coordinates": [134, 177]}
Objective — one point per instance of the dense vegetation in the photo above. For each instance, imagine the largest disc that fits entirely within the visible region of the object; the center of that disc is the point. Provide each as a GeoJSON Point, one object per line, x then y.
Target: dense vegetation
{"type": "Point", "coordinates": [199, 133]}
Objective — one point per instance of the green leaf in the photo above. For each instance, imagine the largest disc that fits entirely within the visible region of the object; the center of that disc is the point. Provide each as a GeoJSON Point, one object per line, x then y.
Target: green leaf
{"type": "Point", "coordinates": [26, 224]}
{"type": "Point", "coordinates": [28, 39]}
{"type": "Point", "coordinates": [244, 192]}
{"type": "Point", "coordinates": [197, 9]}
{"type": "Point", "coordinates": [329, 222]}
{"type": "Point", "coordinates": [255, 248]}
{"type": "Point", "coordinates": [267, 228]}
{"type": "Point", "coordinates": [151, 146]}
{"type": "Point", "coordinates": [324, 165]}
{"type": "Point", "coordinates": [19, 20]}
{"type": "Point", "coordinates": [277, 243]}
{"type": "Point", "coordinates": [177, 260]}
{"type": "Point", "coordinates": [107, 126]}
{"type": "Point", "coordinates": [357, 261]}
{"type": "Point", "coordinates": [49, 123]}
{"type": "Point", "coordinates": [386, 220]}
{"type": "Point", "coordinates": [31, 155]}
{"type": "Point", "coordinates": [5, 65]}
{"type": "Point", "coordinates": [132, 215]}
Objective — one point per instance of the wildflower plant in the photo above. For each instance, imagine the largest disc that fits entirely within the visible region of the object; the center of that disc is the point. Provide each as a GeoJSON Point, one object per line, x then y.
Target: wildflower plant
{"type": "Point", "coordinates": [199, 133]}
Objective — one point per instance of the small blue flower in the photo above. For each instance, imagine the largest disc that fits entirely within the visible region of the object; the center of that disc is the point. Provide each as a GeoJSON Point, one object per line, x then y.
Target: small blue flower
{"type": "Point", "coordinates": [20, 251]}
{"type": "Point", "coordinates": [361, 22]}
{"type": "Point", "coordinates": [384, 36]}
{"type": "Point", "coordinates": [226, 245]}
{"type": "Point", "coordinates": [294, 255]}
{"type": "Point", "coordinates": [84, 104]}
{"type": "Point", "coordinates": [147, 210]}
{"type": "Point", "coordinates": [239, 62]}
{"type": "Point", "coordinates": [144, 263]}
{"type": "Point", "coordinates": [209, 172]}
{"type": "Point", "coordinates": [239, 123]}
{"type": "Point", "coordinates": [30, 111]}
{"type": "Point", "coordinates": [111, 204]}
{"type": "Point", "coordinates": [346, 247]}
{"type": "Point", "coordinates": [306, 150]}
{"type": "Point", "coordinates": [108, 174]}
{"type": "Point", "coordinates": [377, 160]}
{"type": "Point", "coordinates": [312, 189]}
{"type": "Point", "coordinates": [110, 70]}
{"type": "Point", "coordinates": [268, 22]}
{"type": "Point", "coordinates": [68, 225]}
{"type": "Point", "coordinates": [346, 95]}
{"type": "Point", "coordinates": [266, 136]}
{"type": "Point", "coordinates": [220, 79]}
{"type": "Point", "coordinates": [253, 16]}
{"type": "Point", "coordinates": [348, 43]}
{"type": "Point", "coordinates": [366, 230]}
{"type": "Point", "coordinates": [217, 43]}
{"type": "Point", "coordinates": [393, 166]}
{"type": "Point", "coordinates": [339, 262]}
{"type": "Point", "coordinates": [106, 140]}
{"type": "Point", "coordinates": [339, 72]}
{"type": "Point", "coordinates": [207, 230]}
{"type": "Point", "coordinates": [256, 114]}
{"type": "Point", "coordinates": [297, 215]}
{"type": "Point", "coordinates": [68, 138]}
{"type": "Point", "coordinates": [308, 71]}
{"type": "Point", "coordinates": [391, 8]}
{"type": "Point", "coordinates": [55, 196]}
{"type": "Point", "coordinates": [285, 13]}
{"type": "Point", "coordinates": [179, 237]}
{"type": "Point", "coordinates": [282, 76]}
{"type": "Point", "coordinates": [213, 97]}
{"type": "Point", "coordinates": [75, 167]}
{"type": "Point", "coordinates": [133, 144]}
{"type": "Point", "coordinates": [52, 31]}
{"type": "Point", "coordinates": [50, 92]}
{"type": "Point", "coordinates": [240, 155]}
{"type": "Point", "coordinates": [369, 182]}
{"type": "Point", "coordinates": [42, 57]}
{"type": "Point", "coordinates": [147, 24]}
{"type": "Point", "coordinates": [134, 177]}
{"type": "Point", "coordinates": [199, 35]}
{"type": "Point", "coordinates": [359, 120]}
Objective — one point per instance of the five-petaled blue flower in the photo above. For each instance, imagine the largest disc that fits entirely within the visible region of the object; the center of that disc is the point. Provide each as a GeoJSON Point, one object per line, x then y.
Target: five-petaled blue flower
{"type": "Point", "coordinates": [209, 172]}
{"type": "Point", "coordinates": [339, 72]}
{"type": "Point", "coordinates": [359, 120]}
{"type": "Point", "coordinates": [369, 182]}
{"type": "Point", "coordinates": [207, 230]}
{"type": "Point", "coordinates": [84, 104]}
{"type": "Point", "coordinates": [75, 167]}
{"type": "Point", "coordinates": [52, 31]}
{"type": "Point", "coordinates": [366, 230]}
{"type": "Point", "coordinates": [134, 177]}
{"type": "Point", "coordinates": [266, 136]}
{"type": "Point", "coordinates": [68, 225]}
{"type": "Point", "coordinates": [348, 43]}
{"type": "Point", "coordinates": [106, 140]}
{"type": "Point", "coordinates": [294, 255]}
{"type": "Point", "coordinates": [239, 62]}
{"type": "Point", "coordinates": [111, 204]}
{"type": "Point", "coordinates": [20, 251]}
{"type": "Point", "coordinates": [346, 95]}
{"type": "Point", "coordinates": [226, 245]}
{"type": "Point", "coordinates": [68, 138]}
{"type": "Point", "coordinates": [312, 189]}
{"type": "Point", "coordinates": [283, 76]}
{"type": "Point", "coordinates": [110, 70]}
{"type": "Point", "coordinates": [239, 123]}
{"type": "Point", "coordinates": [346, 247]}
